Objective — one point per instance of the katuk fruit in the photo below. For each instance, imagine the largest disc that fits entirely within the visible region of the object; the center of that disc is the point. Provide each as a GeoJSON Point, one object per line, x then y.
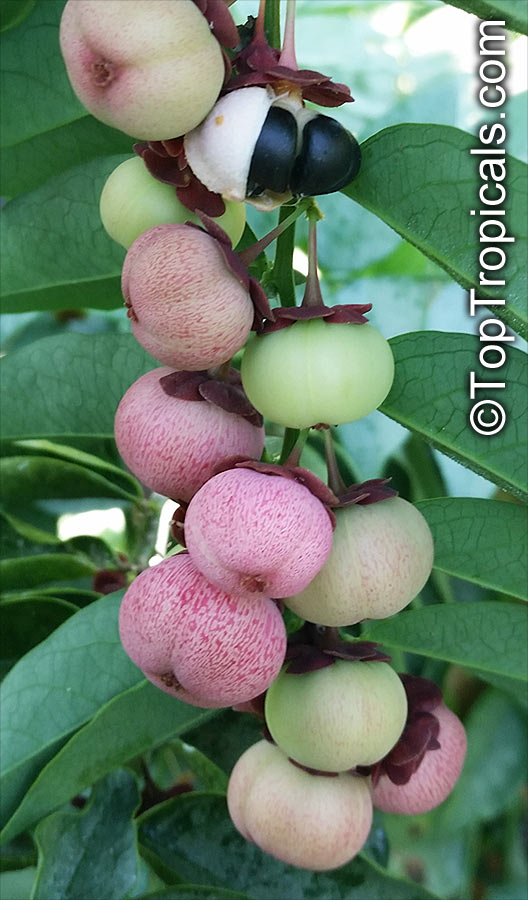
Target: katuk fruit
{"type": "Point", "coordinates": [151, 68]}
{"type": "Point", "coordinates": [187, 307]}
{"type": "Point", "coordinates": [306, 820]}
{"type": "Point", "coordinates": [173, 446]}
{"type": "Point", "coordinates": [436, 775]}
{"type": "Point", "coordinates": [317, 372]}
{"type": "Point", "coordinates": [252, 533]}
{"type": "Point", "coordinates": [338, 717]}
{"type": "Point", "coordinates": [196, 642]}
{"type": "Point", "coordinates": [132, 201]}
{"type": "Point", "coordinates": [381, 557]}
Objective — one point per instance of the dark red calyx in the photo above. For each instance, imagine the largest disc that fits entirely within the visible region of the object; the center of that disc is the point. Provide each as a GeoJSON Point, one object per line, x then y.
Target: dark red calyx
{"type": "Point", "coordinates": [367, 492]}
{"type": "Point", "coordinates": [220, 21]}
{"type": "Point", "coordinates": [312, 771]}
{"type": "Point", "coordinates": [420, 735]}
{"type": "Point", "coordinates": [255, 706]}
{"type": "Point", "coordinates": [350, 312]}
{"type": "Point", "coordinates": [226, 393]}
{"type": "Point", "coordinates": [106, 581]}
{"type": "Point", "coordinates": [315, 647]}
{"type": "Point", "coordinates": [293, 473]}
{"type": "Point", "coordinates": [166, 161]}
{"type": "Point", "coordinates": [239, 269]}
{"type": "Point", "coordinates": [177, 524]}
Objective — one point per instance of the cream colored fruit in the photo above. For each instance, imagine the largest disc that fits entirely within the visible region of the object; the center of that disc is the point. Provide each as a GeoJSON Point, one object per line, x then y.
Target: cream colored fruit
{"type": "Point", "coordinates": [333, 719]}
{"type": "Point", "coordinates": [132, 201]}
{"type": "Point", "coordinates": [151, 68]}
{"type": "Point", "coordinates": [309, 821]}
{"type": "Point", "coordinates": [381, 557]}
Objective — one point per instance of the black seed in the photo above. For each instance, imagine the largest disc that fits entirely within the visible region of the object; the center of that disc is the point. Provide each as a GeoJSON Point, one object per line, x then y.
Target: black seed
{"type": "Point", "coordinates": [274, 154]}
{"type": "Point", "coordinates": [330, 158]}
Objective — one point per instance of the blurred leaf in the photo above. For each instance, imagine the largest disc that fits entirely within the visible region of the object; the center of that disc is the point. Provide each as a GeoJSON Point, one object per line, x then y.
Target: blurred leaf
{"type": "Point", "coordinates": [56, 688]}
{"type": "Point", "coordinates": [430, 397]}
{"type": "Point", "coordinates": [129, 725]}
{"type": "Point", "coordinates": [495, 767]}
{"type": "Point", "coordinates": [482, 541]}
{"type": "Point", "coordinates": [77, 596]}
{"type": "Point", "coordinates": [25, 623]}
{"type": "Point", "coordinates": [194, 892]}
{"type": "Point", "coordinates": [514, 13]}
{"type": "Point", "coordinates": [194, 836]}
{"type": "Point", "coordinates": [18, 854]}
{"type": "Point", "coordinates": [45, 478]}
{"type": "Point", "coordinates": [32, 571]}
{"type": "Point", "coordinates": [55, 249]}
{"type": "Point", "coordinates": [71, 384]}
{"type": "Point", "coordinates": [13, 12]}
{"type": "Point", "coordinates": [19, 539]}
{"type": "Point", "coordinates": [488, 636]}
{"type": "Point", "coordinates": [103, 833]}
{"type": "Point", "coordinates": [238, 730]}
{"type": "Point", "coordinates": [18, 884]}
{"type": "Point", "coordinates": [422, 181]}
{"type": "Point", "coordinates": [182, 756]}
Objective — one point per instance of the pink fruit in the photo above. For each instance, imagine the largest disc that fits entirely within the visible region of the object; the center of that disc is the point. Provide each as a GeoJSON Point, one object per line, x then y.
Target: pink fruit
{"type": "Point", "coordinates": [196, 642]}
{"type": "Point", "coordinates": [173, 445]}
{"type": "Point", "coordinates": [187, 307]}
{"type": "Point", "coordinates": [151, 68]}
{"type": "Point", "coordinates": [310, 821]}
{"type": "Point", "coordinates": [436, 775]}
{"type": "Point", "coordinates": [249, 532]}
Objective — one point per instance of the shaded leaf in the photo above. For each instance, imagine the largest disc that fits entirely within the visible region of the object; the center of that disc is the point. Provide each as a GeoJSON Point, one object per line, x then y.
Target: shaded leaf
{"type": "Point", "coordinates": [70, 843]}
{"type": "Point", "coordinates": [45, 478]}
{"type": "Point", "coordinates": [488, 636]}
{"type": "Point", "coordinates": [194, 836]}
{"type": "Point", "coordinates": [40, 399]}
{"type": "Point", "coordinates": [129, 725]}
{"type": "Point", "coordinates": [430, 396]}
{"type": "Point", "coordinates": [194, 892]}
{"type": "Point", "coordinates": [57, 687]}
{"type": "Point", "coordinates": [25, 623]}
{"type": "Point", "coordinates": [32, 571]}
{"type": "Point", "coordinates": [482, 541]}
{"type": "Point", "coordinates": [422, 181]}
{"type": "Point", "coordinates": [13, 12]}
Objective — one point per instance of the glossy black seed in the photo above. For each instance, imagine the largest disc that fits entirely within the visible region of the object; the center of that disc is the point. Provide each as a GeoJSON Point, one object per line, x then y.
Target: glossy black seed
{"type": "Point", "coordinates": [274, 154]}
{"type": "Point", "coordinates": [330, 158]}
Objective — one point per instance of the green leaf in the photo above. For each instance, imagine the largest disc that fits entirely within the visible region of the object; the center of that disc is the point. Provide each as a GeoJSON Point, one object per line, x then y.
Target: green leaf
{"type": "Point", "coordinates": [239, 731]}
{"type": "Point", "coordinates": [430, 396]}
{"type": "Point", "coordinates": [514, 13]}
{"type": "Point", "coordinates": [179, 755]}
{"type": "Point", "coordinates": [194, 892]}
{"type": "Point", "coordinates": [129, 725]}
{"type": "Point", "coordinates": [13, 12]}
{"type": "Point", "coordinates": [56, 688]}
{"type": "Point", "coordinates": [45, 478]}
{"type": "Point", "coordinates": [25, 623]}
{"type": "Point", "coordinates": [69, 384]}
{"type": "Point", "coordinates": [18, 884]}
{"type": "Point", "coordinates": [488, 636]}
{"type": "Point", "coordinates": [481, 541]}
{"type": "Point", "coordinates": [495, 768]}
{"type": "Point", "coordinates": [91, 854]}
{"type": "Point", "coordinates": [422, 181]}
{"type": "Point", "coordinates": [55, 249]}
{"type": "Point", "coordinates": [32, 571]}
{"type": "Point", "coordinates": [194, 836]}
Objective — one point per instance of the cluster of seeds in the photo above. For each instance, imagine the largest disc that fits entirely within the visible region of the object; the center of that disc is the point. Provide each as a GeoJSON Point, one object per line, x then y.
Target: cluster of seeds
{"type": "Point", "coordinates": [343, 730]}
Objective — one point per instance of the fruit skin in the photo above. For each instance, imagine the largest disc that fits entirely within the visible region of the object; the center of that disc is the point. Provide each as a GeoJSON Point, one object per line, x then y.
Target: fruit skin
{"type": "Point", "coordinates": [310, 821]}
{"type": "Point", "coordinates": [178, 628]}
{"type": "Point", "coordinates": [188, 308]}
{"type": "Point", "coordinates": [151, 68]}
{"type": "Point", "coordinates": [333, 719]}
{"type": "Point", "coordinates": [173, 446]}
{"type": "Point", "coordinates": [249, 532]}
{"type": "Point", "coordinates": [381, 557]}
{"type": "Point", "coordinates": [436, 776]}
{"type": "Point", "coordinates": [132, 201]}
{"type": "Point", "coordinates": [313, 372]}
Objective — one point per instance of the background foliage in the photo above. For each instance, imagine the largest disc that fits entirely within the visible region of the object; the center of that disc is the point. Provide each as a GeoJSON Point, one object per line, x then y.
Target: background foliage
{"type": "Point", "coordinates": [88, 746]}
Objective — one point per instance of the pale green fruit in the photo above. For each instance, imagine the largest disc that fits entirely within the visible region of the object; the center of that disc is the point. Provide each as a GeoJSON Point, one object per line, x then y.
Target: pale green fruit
{"type": "Point", "coordinates": [132, 201]}
{"type": "Point", "coordinates": [314, 371]}
{"type": "Point", "coordinates": [345, 715]}
{"type": "Point", "coordinates": [381, 557]}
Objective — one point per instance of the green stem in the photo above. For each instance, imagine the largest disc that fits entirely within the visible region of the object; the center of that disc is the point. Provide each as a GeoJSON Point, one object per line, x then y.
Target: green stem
{"type": "Point", "coordinates": [272, 23]}
{"type": "Point", "coordinates": [282, 275]}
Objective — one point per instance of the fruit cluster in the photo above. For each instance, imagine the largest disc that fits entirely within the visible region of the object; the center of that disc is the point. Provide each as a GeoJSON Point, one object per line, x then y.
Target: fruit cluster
{"type": "Point", "coordinates": [343, 730]}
